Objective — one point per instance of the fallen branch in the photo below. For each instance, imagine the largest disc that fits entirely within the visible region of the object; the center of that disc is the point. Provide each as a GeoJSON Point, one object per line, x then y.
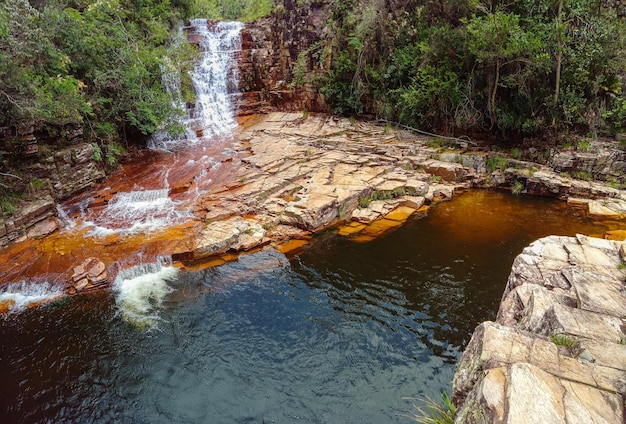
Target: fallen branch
{"type": "Point", "coordinates": [4, 174]}
{"type": "Point", "coordinates": [466, 139]}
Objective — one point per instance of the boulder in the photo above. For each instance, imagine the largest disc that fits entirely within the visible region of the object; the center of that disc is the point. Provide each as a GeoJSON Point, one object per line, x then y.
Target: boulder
{"type": "Point", "coordinates": [219, 237]}
{"type": "Point", "coordinates": [447, 171]}
{"type": "Point", "coordinates": [557, 351]}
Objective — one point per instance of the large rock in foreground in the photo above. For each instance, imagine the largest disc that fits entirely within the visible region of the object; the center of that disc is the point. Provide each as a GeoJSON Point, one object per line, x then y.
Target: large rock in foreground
{"type": "Point", "coordinates": [557, 353]}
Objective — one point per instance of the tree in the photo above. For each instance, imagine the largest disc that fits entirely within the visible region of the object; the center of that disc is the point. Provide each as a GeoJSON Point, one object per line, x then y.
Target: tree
{"type": "Point", "coordinates": [497, 40]}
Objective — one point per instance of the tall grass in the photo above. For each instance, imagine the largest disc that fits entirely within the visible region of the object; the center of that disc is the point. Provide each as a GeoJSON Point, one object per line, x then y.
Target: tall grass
{"type": "Point", "coordinates": [433, 411]}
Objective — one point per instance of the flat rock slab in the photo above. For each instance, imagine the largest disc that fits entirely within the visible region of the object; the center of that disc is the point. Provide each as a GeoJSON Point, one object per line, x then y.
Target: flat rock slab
{"type": "Point", "coordinates": [521, 393]}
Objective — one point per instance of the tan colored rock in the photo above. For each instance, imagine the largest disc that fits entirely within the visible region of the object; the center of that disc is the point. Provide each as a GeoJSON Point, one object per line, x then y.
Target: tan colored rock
{"type": "Point", "coordinates": [365, 215]}
{"type": "Point", "coordinates": [493, 391]}
{"type": "Point", "coordinates": [401, 213]}
{"type": "Point", "coordinates": [610, 354]}
{"type": "Point", "coordinates": [558, 285]}
{"type": "Point", "coordinates": [584, 404]}
{"type": "Point", "coordinates": [219, 237]}
{"type": "Point", "coordinates": [562, 319]}
{"type": "Point", "coordinates": [532, 392]}
{"type": "Point", "coordinates": [414, 202]}
{"type": "Point", "coordinates": [608, 298]}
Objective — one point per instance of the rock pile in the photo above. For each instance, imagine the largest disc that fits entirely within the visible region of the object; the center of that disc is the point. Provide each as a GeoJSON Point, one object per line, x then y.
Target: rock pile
{"type": "Point", "coordinates": [90, 274]}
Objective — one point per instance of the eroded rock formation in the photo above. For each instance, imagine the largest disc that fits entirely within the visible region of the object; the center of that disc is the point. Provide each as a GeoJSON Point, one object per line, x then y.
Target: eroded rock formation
{"type": "Point", "coordinates": [281, 57]}
{"type": "Point", "coordinates": [557, 351]}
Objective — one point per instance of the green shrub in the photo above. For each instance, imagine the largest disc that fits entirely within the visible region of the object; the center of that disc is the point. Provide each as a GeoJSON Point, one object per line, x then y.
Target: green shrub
{"type": "Point", "coordinates": [583, 146]}
{"type": "Point", "coordinates": [365, 201]}
{"type": "Point", "coordinates": [582, 175]}
{"type": "Point", "coordinates": [496, 162]}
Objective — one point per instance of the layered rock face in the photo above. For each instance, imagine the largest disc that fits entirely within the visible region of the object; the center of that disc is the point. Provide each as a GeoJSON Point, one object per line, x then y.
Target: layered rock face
{"type": "Point", "coordinates": [61, 174]}
{"type": "Point", "coordinates": [302, 174]}
{"type": "Point", "coordinates": [557, 351]}
{"type": "Point", "coordinates": [281, 56]}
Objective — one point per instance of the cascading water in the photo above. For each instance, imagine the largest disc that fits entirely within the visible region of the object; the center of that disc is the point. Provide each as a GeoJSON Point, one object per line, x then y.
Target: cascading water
{"type": "Point", "coordinates": [162, 139]}
{"type": "Point", "coordinates": [15, 297]}
{"type": "Point", "coordinates": [141, 289]}
{"type": "Point", "coordinates": [138, 211]}
{"type": "Point", "coordinates": [145, 207]}
{"type": "Point", "coordinates": [214, 79]}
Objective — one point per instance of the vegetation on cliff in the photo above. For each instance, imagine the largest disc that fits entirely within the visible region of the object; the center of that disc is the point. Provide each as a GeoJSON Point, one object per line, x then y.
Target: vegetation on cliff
{"type": "Point", "coordinates": [510, 68]}
{"type": "Point", "coordinates": [95, 64]}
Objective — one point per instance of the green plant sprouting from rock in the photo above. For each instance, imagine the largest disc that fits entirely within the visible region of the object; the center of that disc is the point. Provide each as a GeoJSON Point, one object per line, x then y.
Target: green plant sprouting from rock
{"type": "Point", "coordinates": [440, 411]}
{"type": "Point", "coordinates": [518, 186]}
{"type": "Point", "coordinates": [564, 340]}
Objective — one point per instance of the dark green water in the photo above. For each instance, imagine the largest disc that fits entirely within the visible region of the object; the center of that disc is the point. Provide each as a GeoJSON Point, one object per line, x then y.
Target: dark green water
{"type": "Point", "coordinates": [338, 334]}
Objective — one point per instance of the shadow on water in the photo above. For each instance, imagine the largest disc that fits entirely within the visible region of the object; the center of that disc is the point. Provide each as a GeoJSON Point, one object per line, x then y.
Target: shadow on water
{"type": "Point", "coordinates": [339, 333]}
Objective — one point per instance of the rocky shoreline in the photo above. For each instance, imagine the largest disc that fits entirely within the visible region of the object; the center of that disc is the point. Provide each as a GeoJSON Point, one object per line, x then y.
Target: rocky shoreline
{"type": "Point", "coordinates": [557, 351]}
{"type": "Point", "coordinates": [298, 173]}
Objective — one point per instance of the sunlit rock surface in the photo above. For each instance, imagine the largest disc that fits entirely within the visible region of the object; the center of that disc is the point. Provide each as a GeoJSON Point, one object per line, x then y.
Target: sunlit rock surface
{"type": "Point", "coordinates": [557, 352]}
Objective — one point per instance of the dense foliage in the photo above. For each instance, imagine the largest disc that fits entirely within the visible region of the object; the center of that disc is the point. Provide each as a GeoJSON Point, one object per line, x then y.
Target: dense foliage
{"type": "Point", "coordinates": [98, 62]}
{"type": "Point", "coordinates": [511, 68]}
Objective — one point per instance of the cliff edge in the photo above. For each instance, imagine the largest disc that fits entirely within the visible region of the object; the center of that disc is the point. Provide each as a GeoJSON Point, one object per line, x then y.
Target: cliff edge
{"type": "Point", "coordinates": [557, 351]}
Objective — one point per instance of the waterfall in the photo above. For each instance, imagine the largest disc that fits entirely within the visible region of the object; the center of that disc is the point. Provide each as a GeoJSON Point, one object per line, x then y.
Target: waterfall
{"type": "Point", "coordinates": [140, 211]}
{"type": "Point", "coordinates": [215, 79]}
{"type": "Point", "coordinates": [141, 290]}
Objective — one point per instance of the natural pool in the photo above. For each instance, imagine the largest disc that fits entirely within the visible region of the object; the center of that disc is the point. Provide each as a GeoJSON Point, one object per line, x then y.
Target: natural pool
{"type": "Point", "coordinates": [339, 333]}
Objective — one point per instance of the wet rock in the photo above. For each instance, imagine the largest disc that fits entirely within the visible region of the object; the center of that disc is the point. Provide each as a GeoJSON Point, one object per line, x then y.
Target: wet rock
{"type": "Point", "coordinates": [43, 228]}
{"type": "Point", "coordinates": [617, 235]}
{"type": "Point", "coordinates": [219, 237]}
{"type": "Point", "coordinates": [91, 273]}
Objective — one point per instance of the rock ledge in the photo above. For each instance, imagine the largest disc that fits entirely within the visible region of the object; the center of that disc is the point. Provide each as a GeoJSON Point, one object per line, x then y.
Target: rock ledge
{"type": "Point", "coordinates": [557, 353]}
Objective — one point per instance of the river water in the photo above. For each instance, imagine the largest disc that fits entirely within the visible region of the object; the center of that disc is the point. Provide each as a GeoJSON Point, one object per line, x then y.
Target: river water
{"type": "Point", "coordinates": [339, 333]}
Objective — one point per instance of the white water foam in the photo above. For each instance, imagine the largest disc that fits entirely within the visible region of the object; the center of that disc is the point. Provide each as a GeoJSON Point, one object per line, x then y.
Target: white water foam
{"type": "Point", "coordinates": [22, 295]}
{"type": "Point", "coordinates": [140, 291]}
{"type": "Point", "coordinates": [162, 139]}
{"type": "Point", "coordinates": [141, 211]}
{"type": "Point", "coordinates": [215, 79]}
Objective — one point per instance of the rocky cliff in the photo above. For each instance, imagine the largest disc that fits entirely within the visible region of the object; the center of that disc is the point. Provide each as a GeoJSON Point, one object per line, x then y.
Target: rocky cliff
{"type": "Point", "coordinates": [53, 164]}
{"type": "Point", "coordinates": [282, 57]}
{"type": "Point", "coordinates": [557, 351]}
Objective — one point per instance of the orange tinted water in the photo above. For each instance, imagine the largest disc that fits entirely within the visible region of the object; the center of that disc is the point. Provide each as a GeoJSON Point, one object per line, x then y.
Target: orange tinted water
{"type": "Point", "coordinates": [185, 173]}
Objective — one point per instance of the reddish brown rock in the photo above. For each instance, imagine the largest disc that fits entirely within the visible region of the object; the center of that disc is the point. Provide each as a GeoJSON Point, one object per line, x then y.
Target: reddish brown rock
{"type": "Point", "coordinates": [91, 273]}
